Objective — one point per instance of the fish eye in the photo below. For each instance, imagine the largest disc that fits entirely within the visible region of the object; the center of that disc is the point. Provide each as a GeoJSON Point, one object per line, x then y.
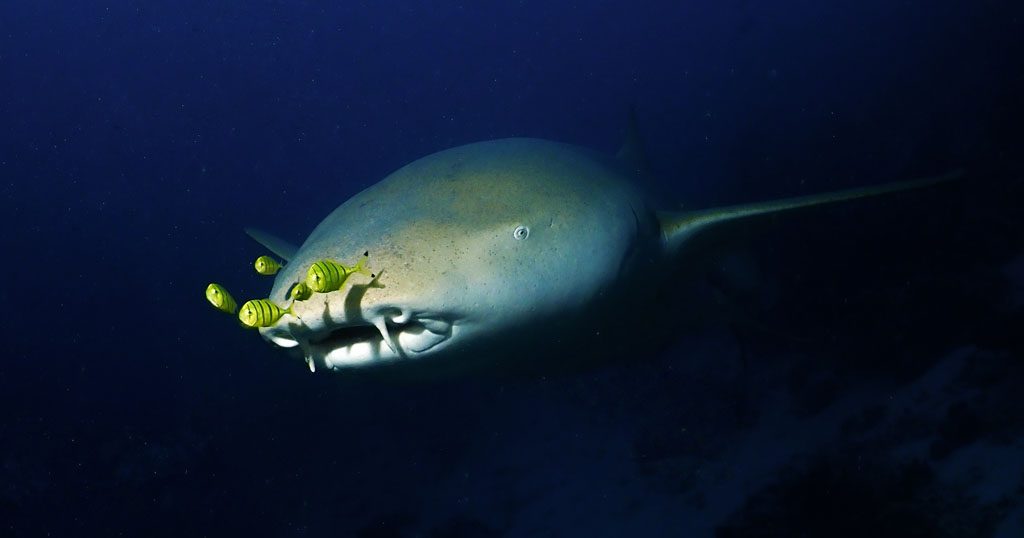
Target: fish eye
{"type": "Point", "coordinates": [520, 233]}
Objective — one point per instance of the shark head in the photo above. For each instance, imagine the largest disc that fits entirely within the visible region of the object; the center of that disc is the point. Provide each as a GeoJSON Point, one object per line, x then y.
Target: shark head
{"type": "Point", "coordinates": [474, 251]}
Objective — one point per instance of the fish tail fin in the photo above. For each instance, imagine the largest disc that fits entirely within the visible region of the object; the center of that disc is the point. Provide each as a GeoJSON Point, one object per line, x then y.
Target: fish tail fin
{"type": "Point", "coordinates": [375, 279]}
{"type": "Point", "coordinates": [679, 229]}
{"type": "Point", "coordinates": [361, 267]}
{"type": "Point", "coordinates": [231, 305]}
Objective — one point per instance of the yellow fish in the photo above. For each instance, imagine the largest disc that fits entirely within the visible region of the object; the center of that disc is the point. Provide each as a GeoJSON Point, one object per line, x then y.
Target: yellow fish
{"type": "Point", "coordinates": [328, 275]}
{"type": "Point", "coordinates": [220, 298]}
{"type": "Point", "coordinates": [261, 313]}
{"type": "Point", "coordinates": [265, 265]}
{"type": "Point", "coordinates": [300, 292]}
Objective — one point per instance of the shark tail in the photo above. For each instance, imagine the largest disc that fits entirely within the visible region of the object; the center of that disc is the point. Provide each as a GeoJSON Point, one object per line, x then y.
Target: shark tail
{"type": "Point", "coordinates": [679, 228]}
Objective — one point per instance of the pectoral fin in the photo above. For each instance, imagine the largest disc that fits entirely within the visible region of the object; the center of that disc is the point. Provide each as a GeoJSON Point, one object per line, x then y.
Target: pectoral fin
{"type": "Point", "coordinates": [678, 229]}
{"type": "Point", "coordinates": [273, 243]}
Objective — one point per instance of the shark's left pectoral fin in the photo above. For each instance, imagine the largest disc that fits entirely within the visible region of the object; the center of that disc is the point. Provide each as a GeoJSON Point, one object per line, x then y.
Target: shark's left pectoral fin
{"type": "Point", "coordinates": [678, 229]}
{"type": "Point", "coordinates": [274, 244]}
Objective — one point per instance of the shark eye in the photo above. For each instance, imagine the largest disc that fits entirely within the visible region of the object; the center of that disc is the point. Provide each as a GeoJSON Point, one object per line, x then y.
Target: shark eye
{"type": "Point", "coordinates": [520, 233]}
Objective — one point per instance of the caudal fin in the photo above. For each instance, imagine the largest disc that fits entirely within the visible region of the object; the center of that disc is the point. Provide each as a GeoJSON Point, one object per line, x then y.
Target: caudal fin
{"type": "Point", "coordinates": [679, 228]}
{"type": "Point", "coordinates": [361, 266]}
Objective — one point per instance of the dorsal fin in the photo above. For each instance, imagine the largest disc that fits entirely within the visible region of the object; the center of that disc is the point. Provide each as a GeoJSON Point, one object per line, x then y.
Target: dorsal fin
{"type": "Point", "coordinates": [632, 150]}
{"type": "Point", "coordinates": [679, 228]}
{"type": "Point", "coordinates": [273, 243]}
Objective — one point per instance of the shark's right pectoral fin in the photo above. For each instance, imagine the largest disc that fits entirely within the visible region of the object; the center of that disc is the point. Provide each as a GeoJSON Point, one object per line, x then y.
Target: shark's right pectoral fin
{"type": "Point", "coordinates": [680, 229]}
{"type": "Point", "coordinates": [274, 244]}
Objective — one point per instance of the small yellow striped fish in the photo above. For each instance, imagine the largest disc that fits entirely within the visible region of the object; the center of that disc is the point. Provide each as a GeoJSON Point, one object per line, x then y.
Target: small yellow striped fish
{"type": "Point", "coordinates": [265, 265]}
{"type": "Point", "coordinates": [220, 298]}
{"type": "Point", "coordinates": [328, 275]}
{"type": "Point", "coordinates": [300, 292]}
{"type": "Point", "coordinates": [261, 313]}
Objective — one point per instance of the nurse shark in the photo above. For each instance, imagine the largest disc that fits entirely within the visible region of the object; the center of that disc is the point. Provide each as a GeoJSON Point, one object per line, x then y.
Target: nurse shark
{"type": "Point", "coordinates": [516, 254]}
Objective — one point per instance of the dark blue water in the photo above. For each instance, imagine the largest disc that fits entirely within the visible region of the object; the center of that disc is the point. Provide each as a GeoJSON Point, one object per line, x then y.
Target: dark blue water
{"type": "Point", "coordinates": [875, 393]}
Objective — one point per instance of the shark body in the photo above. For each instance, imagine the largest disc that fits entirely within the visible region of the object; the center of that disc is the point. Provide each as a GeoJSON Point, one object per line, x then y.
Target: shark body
{"type": "Point", "coordinates": [519, 254]}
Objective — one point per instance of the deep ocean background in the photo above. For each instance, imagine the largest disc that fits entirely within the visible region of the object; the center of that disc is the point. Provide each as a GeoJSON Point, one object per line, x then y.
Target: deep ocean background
{"type": "Point", "coordinates": [876, 392]}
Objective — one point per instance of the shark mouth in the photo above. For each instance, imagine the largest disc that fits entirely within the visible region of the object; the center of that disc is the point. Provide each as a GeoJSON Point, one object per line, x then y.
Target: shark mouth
{"type": "Point", "coordinates": [382, 339]}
